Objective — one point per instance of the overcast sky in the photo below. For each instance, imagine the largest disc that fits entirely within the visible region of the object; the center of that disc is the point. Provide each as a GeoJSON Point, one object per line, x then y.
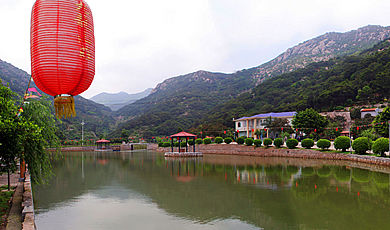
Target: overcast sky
{"type": "Point", "coordinates": [139, 43]}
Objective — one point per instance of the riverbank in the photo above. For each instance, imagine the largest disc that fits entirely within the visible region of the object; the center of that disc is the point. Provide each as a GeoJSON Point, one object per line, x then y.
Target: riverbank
{"type": "Point", "coordinates": [243, 150]}
{"type": "Point", "coordinates": [20, 214]}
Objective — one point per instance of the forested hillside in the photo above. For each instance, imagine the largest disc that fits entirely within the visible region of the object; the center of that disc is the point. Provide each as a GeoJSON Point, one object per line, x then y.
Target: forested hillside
{"type": "Point", "coordinates": [345, 81]}
{"type": "Point", "coordinates": [97, 117]}
{"type": "Point", "coordinates": [179, 102]}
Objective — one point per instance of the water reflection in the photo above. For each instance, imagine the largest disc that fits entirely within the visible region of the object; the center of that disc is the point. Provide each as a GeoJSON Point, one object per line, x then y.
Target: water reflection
{"type": "Point", "coordinates": [146, 190]}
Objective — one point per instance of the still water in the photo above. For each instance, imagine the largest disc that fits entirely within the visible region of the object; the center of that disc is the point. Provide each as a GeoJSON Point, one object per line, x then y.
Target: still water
{"type": "Point", "coordinates": [143, 190]}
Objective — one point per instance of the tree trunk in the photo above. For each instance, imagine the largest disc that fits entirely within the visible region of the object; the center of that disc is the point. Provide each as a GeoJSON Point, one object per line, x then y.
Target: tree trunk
{"type": "Point", "coordinates": [8, 180]}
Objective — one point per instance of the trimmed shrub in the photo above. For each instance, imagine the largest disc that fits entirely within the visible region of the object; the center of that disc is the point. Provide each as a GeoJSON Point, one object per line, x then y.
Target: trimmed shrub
{"type": "Point", "coordinates": [218, 140]}
{"type": "Point", "coordinates": [228, 140]}
{"type": "Point", "coordinates": [257, 142]}
{"type": "Point", "coordinates": [278, 142]}
{"type": "Point", "coordinates": [292, 143]}
{"type": "Point", "coordinates": [207, 141]}
{"type": "Point", "coordinates": [307, 143]}
{"type": "Point", "coordinates": [380, 146]}
{"type": "Point", "coordinates": [267, 142]}
{"type": "Point", "coordinates": [191, 142]}
{"type": "Point", "coordinates": [323, 144]}
{"type": "Point", "coordinates": [183, 144]}
{"type": "Point", "coordinates": [166, 144]}
{"type": "Point", "coordinates": [342, 142]}
{"type": "Point", "coordinates": [241, 140]}
{"type": "Point", "coordinates": [361, 145]}
{"type": "Point", "coordinates": [176, 144]}
{"type": "Point", "coordinates": [160, 144]}
{"type": "Point", "coordinates": [249, 141]}
{"type": "Point", "coordinates": [198, 141]}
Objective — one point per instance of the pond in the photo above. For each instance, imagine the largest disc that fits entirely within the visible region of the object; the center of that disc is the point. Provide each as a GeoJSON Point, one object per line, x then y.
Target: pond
{"type": "Point", "coordinates": [143, 190]}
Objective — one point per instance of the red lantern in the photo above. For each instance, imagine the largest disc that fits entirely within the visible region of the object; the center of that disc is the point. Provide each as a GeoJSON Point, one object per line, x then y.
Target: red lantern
{"type": "Point", "coordinates": [337, 129]}
{"type": "Point", "coordinates": [357, 128]}
{"type": "Point", "coordinates": [62, 50]}
{"type": "Point", "coordinates": [224, 132]}
{"type": "Point", "coordinates": [315, 130]}
{"type": "Point", "coordinates": [237, 131]}
{"type": "Point", "coordinates": [253, 130]}
{"type": "Point", "coordinates": [282, 128]}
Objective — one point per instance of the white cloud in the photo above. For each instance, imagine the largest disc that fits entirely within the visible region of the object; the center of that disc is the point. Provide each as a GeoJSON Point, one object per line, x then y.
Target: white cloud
{"type": "Point", "coordinates": [141, 43]}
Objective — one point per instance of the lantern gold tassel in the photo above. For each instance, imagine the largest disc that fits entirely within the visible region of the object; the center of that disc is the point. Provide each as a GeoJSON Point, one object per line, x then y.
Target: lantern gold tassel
{"type": "Point", "coordinates": [64, 106]}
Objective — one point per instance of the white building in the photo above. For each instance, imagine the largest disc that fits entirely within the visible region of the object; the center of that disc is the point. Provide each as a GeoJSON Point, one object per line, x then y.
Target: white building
{"type": "Point", "coordinates": [373, 112]}
{"type": "Point", "coordinates": [247, 126]}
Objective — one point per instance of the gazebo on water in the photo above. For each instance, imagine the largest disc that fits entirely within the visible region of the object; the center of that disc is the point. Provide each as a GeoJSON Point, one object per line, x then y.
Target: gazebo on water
{"type": "Point", "coordinates": [186, 136]}
{"type": "Point", "coordinates": [102, 144]}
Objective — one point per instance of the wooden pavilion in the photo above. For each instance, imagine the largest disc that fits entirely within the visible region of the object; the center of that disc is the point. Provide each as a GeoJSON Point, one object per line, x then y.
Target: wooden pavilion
{"type": "Point", "coordinates": [180, 136]}
{"type": "Point", "coordinates": [102, 144]}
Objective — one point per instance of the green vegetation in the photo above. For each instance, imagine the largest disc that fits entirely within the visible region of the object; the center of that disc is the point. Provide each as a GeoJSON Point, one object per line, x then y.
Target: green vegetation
{"type": "Point", "coordinates": [342, 142]}
{"type": "Point", "coordinates": [249, 141]}
{"type": "Point", "coordinates": [307, 143]}
{"type": "Point", "coordinates": [381, 122]}
{"type": "Point", "coordinates": [278, 142]}
{"type": "Point", "coordinates": [267, 142]}
{"type": "Point", "coordinates": [5, 197]}
{"type": "Point", "coordinates": [292, 143]}
{"type": "Point", "coordinates": [380, 146]}
{"type": "Point", "coordinates": [361, 145]}
{"type": "Point", "coordinates": [321, 86]}
{"type": "Point", "coordinates": [257, 142]}
{"type": "Point", "coordinates": [191, 142]}
{"type": "Point", "coordinates": [310, 121]}
{"type": "Point", "coordinates": [240, 140]}
{"type": "Point", "coordinates": [207, 141]}
{"type": "Point", "coordinates": [323, 144]}
{"type": "Point", "coordinates": [218, 140]}
{"type": "Point", "coordinates": [198, 141]}
{"type": "Point", "coordinates": [228, 140]}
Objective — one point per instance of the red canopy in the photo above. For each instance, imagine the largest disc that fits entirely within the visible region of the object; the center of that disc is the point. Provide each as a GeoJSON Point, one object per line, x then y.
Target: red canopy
{"type": "Point", "coordinates": [183, 134]}
{"type": "Point", "coordinates": [102, 141]}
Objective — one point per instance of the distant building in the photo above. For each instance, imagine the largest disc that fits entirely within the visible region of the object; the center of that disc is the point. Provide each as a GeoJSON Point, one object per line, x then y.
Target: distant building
{"type": "Point", "coordinates": [373, 112]}
{"type": "Point", "coordinates": [247, 126]}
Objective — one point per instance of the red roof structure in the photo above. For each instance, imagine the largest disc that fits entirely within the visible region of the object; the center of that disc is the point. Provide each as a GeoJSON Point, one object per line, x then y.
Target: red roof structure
{"type": "Point", "coordinates": [183, 134]}
{"type": "Point", "coordinates": [102, 141]}
{"type": "Point", "coordinates": [368, 110]}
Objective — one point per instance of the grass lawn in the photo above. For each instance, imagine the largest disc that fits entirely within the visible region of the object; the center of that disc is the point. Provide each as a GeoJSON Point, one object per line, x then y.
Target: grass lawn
{"type": "Point", "coordinates": [5, 197]}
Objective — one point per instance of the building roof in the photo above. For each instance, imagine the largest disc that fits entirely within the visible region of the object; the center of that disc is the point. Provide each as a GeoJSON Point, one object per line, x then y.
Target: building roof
{"type": "Point", "coordinates": [368, 110]}
{"type": "Point", "coordinates": [274, 115]}
{"type": "Point", "coordinates": [183, 134]}
{"type": "Point", "coordinates": [102, 141]}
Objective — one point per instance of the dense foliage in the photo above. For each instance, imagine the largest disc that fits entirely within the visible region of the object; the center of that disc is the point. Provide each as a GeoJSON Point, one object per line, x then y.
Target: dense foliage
{"type": "Point", "coordinates": [323, 144]}
{"type": "Point", "coordinates": [307, 143]}
{"type": "Point", "coordinates": [292, 143]}
{"type": "Point", "coordinates": [380, 146]}
{"type": "Point", "coordinates": [278, 142]}
{"type": "Point", "coordinates": [342, 142]}
{"type": "Point", "coordinates": [310, 121]}
{"type": "Point", "coordinates": [321, 86]}
{"type": "Point", "coordinates": [218, 140]}
{"type": "Point", "coordinates": [198, 141]}
{"type": "Point", "coordinates": [228, 140]}
{"type": "Point", "coordinates": [381, 123]}
{"type": "Point", "coordinates": [257, 142]}
{"type": "Point", "coordinates": [249, 141]}
{"type": "Point", "coordinates": [361, 145]}
{"type": "Point", "coordinates": [240, 140]}
{"type": "Point", "coordinates": [267, 142]}
{"type": "Point", "coordinates": [207, 141]}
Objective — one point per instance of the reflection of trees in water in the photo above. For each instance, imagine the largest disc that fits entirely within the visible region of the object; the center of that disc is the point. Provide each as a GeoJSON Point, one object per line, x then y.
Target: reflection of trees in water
{"type": "Point", "coordinates": [324, 171]}
{"type": "Point", "coordinates": [360, 175]}
{"type": "Point", "coordinates": [381, 179]}
{"type": "Point", "coordinates": [178, 187]}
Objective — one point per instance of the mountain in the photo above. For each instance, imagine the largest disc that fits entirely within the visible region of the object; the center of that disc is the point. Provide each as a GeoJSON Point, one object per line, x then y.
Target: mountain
{"type": "Point", "coordinates": [321, 48]}
{"type": "Point", "coordinates": [118, 100]}
{"type": "Point", "coordinates": [180, 101]}
{"type": "Point", "coordinates": [362, 78]}
{"type": "Point", "coordinates": [98, 118]}
{"type": "Point", "coordinates": [183, 101]}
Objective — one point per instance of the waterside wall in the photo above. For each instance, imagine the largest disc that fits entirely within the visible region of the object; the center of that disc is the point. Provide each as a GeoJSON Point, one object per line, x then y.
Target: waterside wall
{"type": "Point", "coordinates": [234, 149]}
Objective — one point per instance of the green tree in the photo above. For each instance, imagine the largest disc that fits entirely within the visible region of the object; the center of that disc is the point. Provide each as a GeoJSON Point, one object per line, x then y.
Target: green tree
{"type": "Point", "coordinates": [381, 124]}
{"type": "Point", "coordinates": [125, 134]}
{"type": "Point", "coordinates": [309, 120]}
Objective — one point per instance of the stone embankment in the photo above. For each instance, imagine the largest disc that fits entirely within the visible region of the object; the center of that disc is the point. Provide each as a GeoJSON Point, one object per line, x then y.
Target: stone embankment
{"type": "Point", "coordinates": [242, 150]}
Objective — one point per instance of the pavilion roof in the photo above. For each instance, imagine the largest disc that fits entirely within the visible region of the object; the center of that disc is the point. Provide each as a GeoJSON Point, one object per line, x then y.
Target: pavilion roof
{"type": "Point", "coordinates": [102, 141]}
{"type": "Point", "coordinates": [183, 134]}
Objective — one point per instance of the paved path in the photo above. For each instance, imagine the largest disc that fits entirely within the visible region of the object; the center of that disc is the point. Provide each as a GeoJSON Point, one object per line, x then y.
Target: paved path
{"type": "Point", "coordinates": [14, 217]}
